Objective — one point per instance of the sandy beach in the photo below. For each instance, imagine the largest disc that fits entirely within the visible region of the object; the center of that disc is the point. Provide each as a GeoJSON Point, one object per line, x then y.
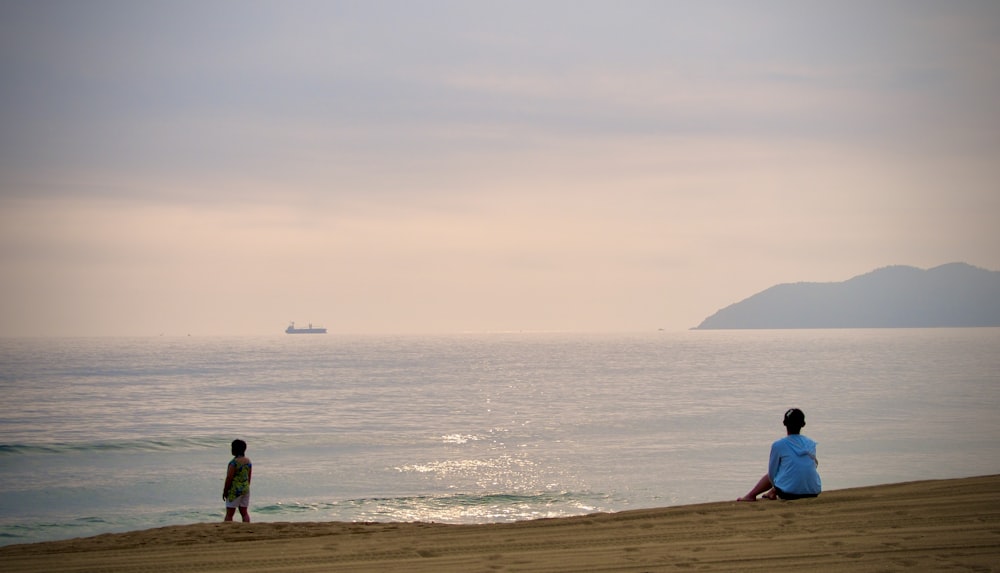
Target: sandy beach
{"type": "Point", "coordinates": [928, 525]}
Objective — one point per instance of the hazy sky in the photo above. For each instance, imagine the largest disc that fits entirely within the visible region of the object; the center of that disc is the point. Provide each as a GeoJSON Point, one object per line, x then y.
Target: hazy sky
{"type": "Point", "coordinates": [422, 166]}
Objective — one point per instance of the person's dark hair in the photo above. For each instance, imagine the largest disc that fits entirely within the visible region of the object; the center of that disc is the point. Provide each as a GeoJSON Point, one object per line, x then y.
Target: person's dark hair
{"type": "Point", "coordinates": [795, 419]}
{"type": "Point", "coordinates": [239, 447]}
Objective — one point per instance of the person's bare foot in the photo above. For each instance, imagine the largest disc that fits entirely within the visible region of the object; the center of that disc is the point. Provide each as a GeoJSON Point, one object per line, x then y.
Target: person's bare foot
{"type": "Point", "coordinates": [770, 495]}
{"type": "Point", "coordinates": [746, 498]}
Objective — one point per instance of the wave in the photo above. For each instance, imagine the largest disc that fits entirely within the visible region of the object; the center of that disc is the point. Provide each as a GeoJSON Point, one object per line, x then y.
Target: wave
{"type": "Point", "coordinates": [139, 445]}
{"type": "Point", "coordinates": [456, 508]}
{"type": "Point", "coordinates": [29, 530]}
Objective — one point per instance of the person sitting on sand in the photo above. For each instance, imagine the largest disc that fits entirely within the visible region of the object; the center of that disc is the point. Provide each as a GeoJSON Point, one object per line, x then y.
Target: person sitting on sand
{"type": "Point", "coordinates": [791, 470]}
{"type": "Point", "coordinates": [236, 492]}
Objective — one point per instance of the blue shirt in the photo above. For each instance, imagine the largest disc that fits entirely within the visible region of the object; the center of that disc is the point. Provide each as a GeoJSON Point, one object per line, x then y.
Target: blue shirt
{"type": "Point", "coordinates": [792, 466]}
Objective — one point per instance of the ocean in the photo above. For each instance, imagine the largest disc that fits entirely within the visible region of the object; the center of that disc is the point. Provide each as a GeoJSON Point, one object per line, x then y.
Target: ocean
{"type": "Point", "coordinates": [115, 434]}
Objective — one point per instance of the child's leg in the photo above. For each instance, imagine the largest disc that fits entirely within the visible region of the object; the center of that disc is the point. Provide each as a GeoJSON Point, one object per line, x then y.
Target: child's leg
{"type": "Point", "coordinates": [245, 514]}
{"type": "Point", "coordinates": [230, 511]}
{"type": "Point", "coordinates": [763, 485]}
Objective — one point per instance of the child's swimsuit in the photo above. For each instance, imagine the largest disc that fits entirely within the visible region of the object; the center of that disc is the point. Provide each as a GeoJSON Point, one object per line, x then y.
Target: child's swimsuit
{"type": "Point", "coordinates": [241, 479]}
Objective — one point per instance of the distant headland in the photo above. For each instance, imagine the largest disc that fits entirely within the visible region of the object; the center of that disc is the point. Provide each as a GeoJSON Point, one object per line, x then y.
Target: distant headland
{"type": "Point", "coordinates": [951, 295]}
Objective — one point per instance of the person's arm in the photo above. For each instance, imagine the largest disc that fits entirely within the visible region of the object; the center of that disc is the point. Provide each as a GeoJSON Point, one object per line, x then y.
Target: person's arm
{"type": "Point", "coordinates": [250, 474]}
{"type": "Point", "coordinates": [774, 461]}
{"type": "Point", "coordinates": [229, 480]}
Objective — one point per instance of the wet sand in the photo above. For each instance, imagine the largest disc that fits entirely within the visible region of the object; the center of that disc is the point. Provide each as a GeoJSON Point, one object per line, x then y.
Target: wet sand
{"type": "Point", "coordinates": [938, 525]}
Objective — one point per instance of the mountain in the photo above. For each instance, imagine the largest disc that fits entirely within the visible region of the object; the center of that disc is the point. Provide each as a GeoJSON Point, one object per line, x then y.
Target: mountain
{"type": "Point", "coordinates": [951, 295]}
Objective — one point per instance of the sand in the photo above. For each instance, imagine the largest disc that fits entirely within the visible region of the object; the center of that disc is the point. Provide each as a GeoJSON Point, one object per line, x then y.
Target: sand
{"type": "Point", "coordinates": [940, 525]}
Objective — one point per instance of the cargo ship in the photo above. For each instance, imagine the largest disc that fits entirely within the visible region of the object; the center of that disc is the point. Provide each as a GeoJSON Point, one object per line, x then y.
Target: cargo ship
{"type": "Point", "coordinates": [310, 330]}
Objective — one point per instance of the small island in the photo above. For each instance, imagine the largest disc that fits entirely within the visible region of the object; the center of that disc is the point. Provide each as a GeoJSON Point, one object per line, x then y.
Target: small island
{"type": "Point", "coordinates": [950, 295]}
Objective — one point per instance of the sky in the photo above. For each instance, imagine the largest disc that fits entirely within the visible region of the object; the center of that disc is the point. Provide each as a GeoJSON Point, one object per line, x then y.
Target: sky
{"type": "Point", "coordinates": [225, 167]}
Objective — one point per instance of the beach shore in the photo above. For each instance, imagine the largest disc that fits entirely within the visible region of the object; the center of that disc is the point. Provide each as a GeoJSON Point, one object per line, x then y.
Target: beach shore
{"type": "Point", "coordinates": [928, 525]}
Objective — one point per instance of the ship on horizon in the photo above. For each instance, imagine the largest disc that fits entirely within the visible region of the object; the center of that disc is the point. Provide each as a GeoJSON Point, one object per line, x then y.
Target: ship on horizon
{"type": "Point", "coordinates": [310, 330]}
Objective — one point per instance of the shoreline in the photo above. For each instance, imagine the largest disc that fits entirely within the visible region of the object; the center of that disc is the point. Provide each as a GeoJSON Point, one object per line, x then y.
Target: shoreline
{"type": "Point", "coordinates": [922, 525]}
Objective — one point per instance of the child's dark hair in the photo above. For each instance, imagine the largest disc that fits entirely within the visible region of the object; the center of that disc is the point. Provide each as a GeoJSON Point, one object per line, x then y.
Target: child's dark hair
{"type": "Point", "coordinates": [239, 447]}
{"type": "Point", "coordinates": [794, 419]}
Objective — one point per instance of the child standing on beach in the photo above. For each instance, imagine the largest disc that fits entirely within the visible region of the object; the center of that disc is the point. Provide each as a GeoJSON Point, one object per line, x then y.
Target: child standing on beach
{"type": "Point", "coordinates": [236, 492]}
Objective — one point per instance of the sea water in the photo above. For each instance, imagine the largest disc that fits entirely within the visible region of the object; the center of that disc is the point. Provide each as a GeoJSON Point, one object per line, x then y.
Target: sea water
{"type": "Point", "coordinates": [114, 434]}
